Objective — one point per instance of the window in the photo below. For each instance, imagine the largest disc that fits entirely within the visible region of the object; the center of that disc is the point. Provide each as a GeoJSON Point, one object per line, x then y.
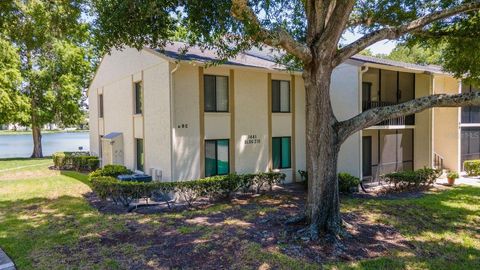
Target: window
{"type": "Point", "coordinates": [140, 154]}
{"type": "Point", "coordinates": [216, 157]}
{"type": "Point", "coordinates": [138, 98]}
{"type": "Point", "coordinates": [280, 96]}
{"type": "Point", "coordinates": [100, 106]}
{"type": "Point", "coordinates": [216, 93]}
{"type": "Point", "coordinates": [281, 152]}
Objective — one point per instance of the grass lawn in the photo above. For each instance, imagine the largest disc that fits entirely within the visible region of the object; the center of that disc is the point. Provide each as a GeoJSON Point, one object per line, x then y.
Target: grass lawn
{"type": "Point", "coordinates": [46, 223]}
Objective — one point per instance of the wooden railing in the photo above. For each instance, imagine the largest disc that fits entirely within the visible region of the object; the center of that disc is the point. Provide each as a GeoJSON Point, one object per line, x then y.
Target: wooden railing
{"type": "Point", "coordinates": [438, 161]}
{"type": "Point", "coordinates": [399, 121]}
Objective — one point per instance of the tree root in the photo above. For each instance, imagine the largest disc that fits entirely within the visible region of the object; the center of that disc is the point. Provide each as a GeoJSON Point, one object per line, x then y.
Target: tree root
{"type": "Point", "coordinates": [300, 218]}
{"type": "Point", "coordinates": [313, 233]}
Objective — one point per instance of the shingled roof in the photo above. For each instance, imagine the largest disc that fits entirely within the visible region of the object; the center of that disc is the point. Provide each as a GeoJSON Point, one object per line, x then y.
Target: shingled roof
{"type": "Point", "coordinates": [265, 58]}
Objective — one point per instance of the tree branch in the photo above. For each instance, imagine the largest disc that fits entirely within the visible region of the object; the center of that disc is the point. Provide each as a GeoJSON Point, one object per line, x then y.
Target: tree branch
{"type": "Point", "coordinates": [374, 116]}
{"type": "Point", "coordinates": [396, 32]}
{"type": "Point", "coordinates": [275, 38]}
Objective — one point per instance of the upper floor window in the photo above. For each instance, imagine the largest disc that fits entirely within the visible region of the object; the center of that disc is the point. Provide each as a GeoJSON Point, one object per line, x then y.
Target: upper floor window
{"type": "Point", "coordinates": [100, 106]}
{"type": "Point", "coordinates": [281, 152]}
{"type": "Point", "coordinates": [216, 93]}
{"type": "Point", "coordinates": [470, 114]}
{"type": "Point", "coordinates": [138, 98]}
{"type": "Point", "coordinates": [280, 96]}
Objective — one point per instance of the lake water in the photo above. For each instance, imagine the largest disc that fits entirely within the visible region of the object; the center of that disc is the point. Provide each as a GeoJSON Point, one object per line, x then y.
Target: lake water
{"type": "Point", "coordinates": [22, 145]}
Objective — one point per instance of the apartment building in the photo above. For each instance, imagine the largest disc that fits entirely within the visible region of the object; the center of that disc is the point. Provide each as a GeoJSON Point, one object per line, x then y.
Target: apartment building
{"type": "Point", "coordinates": [170, 114]}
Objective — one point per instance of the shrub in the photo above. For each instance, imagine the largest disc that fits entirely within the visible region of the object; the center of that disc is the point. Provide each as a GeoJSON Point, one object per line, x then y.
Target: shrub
{"type": "Point", "coordinates": [112, 170]}
{"type": "Point", "coordinates": [453, 175]}
{"type": "Point", "coordinates": [412, 179]}
{"type": "Point", "coordinates": [124, 192]}
{"type": "Point", "coordinates": [79, 161]}
{"type": "Point", "coordinates": [472, 167]}
{"type": "Point", "coordinates": [347, 182]}
{"type": "Point", "coordinates": [267, 179]}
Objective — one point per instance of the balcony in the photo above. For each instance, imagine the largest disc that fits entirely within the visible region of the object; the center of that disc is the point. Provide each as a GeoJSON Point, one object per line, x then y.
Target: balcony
{"type": "Point", "coordinates": [386, 151]}
{"type": "Point", "coordinates": [400, 121]}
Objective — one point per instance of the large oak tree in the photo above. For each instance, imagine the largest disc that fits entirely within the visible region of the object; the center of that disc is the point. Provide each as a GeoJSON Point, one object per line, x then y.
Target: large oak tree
{"type": "Point", "coordinates": [309, 32]}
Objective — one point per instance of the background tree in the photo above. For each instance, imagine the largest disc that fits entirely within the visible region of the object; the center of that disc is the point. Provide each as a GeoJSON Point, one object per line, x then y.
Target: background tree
{"type": "Point", "coordinates": [309, 32]}
{"type": "Point", "coordinates": [416, 54]}
{"type": "Point", "coordinates": [52, 45]}
{"type": "Point", "coordinates": [12, 104]}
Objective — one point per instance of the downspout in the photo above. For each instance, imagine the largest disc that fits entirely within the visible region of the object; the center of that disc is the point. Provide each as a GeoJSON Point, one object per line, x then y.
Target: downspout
{"type": "Point", "coordinates": [172, 119]}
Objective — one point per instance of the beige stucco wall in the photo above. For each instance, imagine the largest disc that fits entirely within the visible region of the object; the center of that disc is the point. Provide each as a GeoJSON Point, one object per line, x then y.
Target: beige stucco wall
{"type": "Point", "coordinates": [346, 101]}
{"type": "Point", "coordinates": [300, 125]}
{"type": "Point", "coordinates": [251, 118]}
{"type": "Point", "coordinates": [446, 136]}
{"type": "Point", "coordinates": [156, 120]}
{"type": "Point", "coordinates": [114, 79]}
{"type": "Point", "coordinates": [423, 140]}
{"type": "Point", "coordinates": [186, 127]}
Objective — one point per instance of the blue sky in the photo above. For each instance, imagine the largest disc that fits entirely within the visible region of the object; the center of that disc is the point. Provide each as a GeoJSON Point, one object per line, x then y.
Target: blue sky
{"type": "Point", "coordinates": [384, 47]}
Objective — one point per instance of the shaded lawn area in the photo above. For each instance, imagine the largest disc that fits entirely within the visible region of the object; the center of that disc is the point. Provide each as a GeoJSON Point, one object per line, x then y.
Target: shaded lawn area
{"type": "Point", "coordinates": [46, 223]}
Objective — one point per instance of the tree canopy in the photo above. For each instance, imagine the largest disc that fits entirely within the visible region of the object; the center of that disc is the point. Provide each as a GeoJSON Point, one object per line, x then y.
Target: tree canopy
{"type": "Point", "coordinates": [48, 54]}
{"type": "Point", "coordinates": [284, 24]}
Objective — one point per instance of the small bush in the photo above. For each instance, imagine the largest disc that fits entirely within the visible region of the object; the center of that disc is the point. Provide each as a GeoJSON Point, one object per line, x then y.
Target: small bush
{"type": "Point", "coordinates": [453, 175]}
{"type": "Point", "coordinates": [267, 179]}
{"type": "Point", "coordinates": [79, 161]}
{"type": "Point", "coordinates": [472, 167]}
{"type": "Point", "coordinates": [247, 182]}
{"type": "Point", "coordinates": [112, 170]}
{"type": "Point", "coordinates": [347, 183]}
{"type": "Point", "coordinates": [412, 179]}
{"type": "Point", "coordinates": [124, 192]}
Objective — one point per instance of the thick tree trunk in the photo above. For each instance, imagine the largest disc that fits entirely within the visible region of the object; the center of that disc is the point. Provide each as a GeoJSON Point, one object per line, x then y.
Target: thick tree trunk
{"type": "Point", "coordinates": [322, 210]}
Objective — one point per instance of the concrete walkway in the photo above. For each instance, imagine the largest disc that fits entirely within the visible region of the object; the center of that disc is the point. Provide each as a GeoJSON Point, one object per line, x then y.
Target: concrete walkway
{"type": "Point", "coordinates": [5, 262]}
{"type": "Point", "coordinates": [463, 180]}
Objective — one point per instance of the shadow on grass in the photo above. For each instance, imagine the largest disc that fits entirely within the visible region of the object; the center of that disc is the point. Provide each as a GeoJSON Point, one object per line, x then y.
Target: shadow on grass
{"type": "Point", "coordinates": [443, 227]}
{"type": "Point", "coordinates": [44, 233]}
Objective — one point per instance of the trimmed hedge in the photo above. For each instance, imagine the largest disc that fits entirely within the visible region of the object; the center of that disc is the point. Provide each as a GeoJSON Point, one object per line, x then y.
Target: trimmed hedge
{"type": "Point", "coordinates": [472, 167]}
{"type": "Point", "coordinates": [124, 192]}
{"type": "Point", "coordinates": [412, 179]}
{"type": "Point", "coordinates": [79, 161]}
{"type": "Point", "coordinates": [347, 183]}
{"type": "Point", "coordinates": [112, 170]}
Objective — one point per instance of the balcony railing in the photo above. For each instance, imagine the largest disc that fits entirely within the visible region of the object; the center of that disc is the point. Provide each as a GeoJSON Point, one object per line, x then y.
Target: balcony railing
{"type": "Point", "coordinates": [399, 121]}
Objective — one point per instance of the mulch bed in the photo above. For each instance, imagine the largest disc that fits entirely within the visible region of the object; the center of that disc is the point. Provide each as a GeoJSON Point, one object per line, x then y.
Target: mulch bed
{"type": "Point", "coordinates": [253, 219]}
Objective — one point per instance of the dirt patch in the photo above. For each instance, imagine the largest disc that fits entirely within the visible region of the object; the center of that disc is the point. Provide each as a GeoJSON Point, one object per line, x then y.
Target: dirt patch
{"type": "Point", "coordinates": [213, 235]}
{"type": "Point", "coordinates": [386, 193]}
